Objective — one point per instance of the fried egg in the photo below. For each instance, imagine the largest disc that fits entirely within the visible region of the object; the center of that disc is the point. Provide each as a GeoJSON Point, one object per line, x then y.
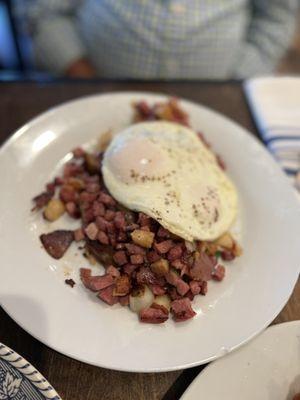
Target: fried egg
{"type": "Point", "coordinates": [164, 170]}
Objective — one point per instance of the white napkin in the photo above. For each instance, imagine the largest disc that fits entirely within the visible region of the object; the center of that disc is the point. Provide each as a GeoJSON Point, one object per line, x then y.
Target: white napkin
{"type": "Point", "coordinates": [275, 104]}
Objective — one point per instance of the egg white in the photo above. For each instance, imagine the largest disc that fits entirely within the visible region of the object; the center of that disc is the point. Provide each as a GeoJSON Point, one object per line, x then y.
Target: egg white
{"type": "Point", "coordinates": [164, 170]}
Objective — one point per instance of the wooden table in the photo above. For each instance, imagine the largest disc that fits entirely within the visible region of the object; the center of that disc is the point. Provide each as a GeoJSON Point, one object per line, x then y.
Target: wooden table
{"type": "Point", "coordinates": [74, 380]}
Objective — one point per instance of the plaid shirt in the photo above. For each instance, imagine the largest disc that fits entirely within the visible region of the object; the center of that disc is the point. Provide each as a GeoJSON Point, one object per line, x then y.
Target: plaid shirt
{"type": "Point", "coordinates": [161, 38]}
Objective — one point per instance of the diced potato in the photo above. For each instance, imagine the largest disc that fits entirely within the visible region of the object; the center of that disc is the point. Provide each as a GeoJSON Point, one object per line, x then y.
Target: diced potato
{"type": "Point", "coordinates": [226, 241]}
{"type": "Point", "coordinates": [104, 140]}
{"type": "Point", "coordinates": [76, 183]}
{"type": "Point", "coordinates": [140, 299]}
{"type": "Point", "coordinates": [160, 267]}
{"type": "Point", "coordinates": [142, 238]}
{"type": "Point", "coordinates": [54, 209]}
{"type": "Point", "coordinates": [237, 250]}
{"type": "Point", "coordinates": [163, 300]}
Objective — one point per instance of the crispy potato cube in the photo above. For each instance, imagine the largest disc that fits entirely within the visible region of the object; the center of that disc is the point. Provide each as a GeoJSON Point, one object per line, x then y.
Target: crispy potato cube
{"type": "Point", "coordinates": [160, 267]}
{"type": "Point", "coordinates": [54, 209]}
{"type": "Point", "coordinates": [142, 238]}
{"type": "Point", "coordinates": [226, 241]}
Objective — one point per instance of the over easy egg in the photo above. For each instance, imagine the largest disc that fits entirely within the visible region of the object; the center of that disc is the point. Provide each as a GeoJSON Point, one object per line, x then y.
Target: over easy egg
{"type": "Point", "coordinates": [164, 170]}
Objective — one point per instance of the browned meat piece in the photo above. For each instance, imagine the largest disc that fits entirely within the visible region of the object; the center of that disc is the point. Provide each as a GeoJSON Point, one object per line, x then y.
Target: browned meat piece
{"type": "Point", "coordinates": [120, 257]}
{"type": "Point", "coordinates": [145, 276]}
{"type": "Point", "coordinates": [157, 290]}
{"type": "Point", "coordinates": [136, 259]}
{"type": "Point", "coordinates": [195, 287]}
{"type": "Point", "coordinates": [102, 253]}
{"type": "Point", "coordinates": [163, 233]}
{"type": "Point", "coordinates": [153, 256]}
{"type": "Point", "coordinates": [163, 247]}
{"type": "Point", "coordinates": [106, 199]}
{"type": "Point", "coordinates": [107, 295]}
{"type": "Point", "coordinates": [123, 286]}
{"type": "Point", "coordinates": [182, 309]}
{"type": "Point", "coordinates": [78, 235]}
{"type": "Point", "coordinates": [124, 300]}
{"type": "Point", "coordinates": [98, 209]}
{"type": "Point", "coordinates": [91, 231]}
{"type": "Point", "coordinates": [154, 315]}
{"type": "Point", "coordinates": [175, 252]}
{"type": "Point", "coordinates": [218, 273]}
{"type": "Point", "coordinates": [103, 238]}
{"type": "Point", "coordinates": [96, 283]}
{"type": "Point", "coordinates": [173, 279]}
{"type": "Point", "coordinates": [113, 271]}
{"type": "Point", "coordinates": [202, 267]}
{"type": "Point", "coordinates": [70, 282]}
{"type": "Point", "coordinates": [135, 249]}
{"type": "Point", "coordinates": [203, 288]}
{"type": "Point", "coordinates": [42, 200]}
{"type": "Point", "coordinates": [56, 243]}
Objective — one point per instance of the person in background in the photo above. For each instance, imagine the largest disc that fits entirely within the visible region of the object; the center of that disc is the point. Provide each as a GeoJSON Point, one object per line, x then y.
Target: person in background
{"type": "Point", "coordinates": [159, 39]}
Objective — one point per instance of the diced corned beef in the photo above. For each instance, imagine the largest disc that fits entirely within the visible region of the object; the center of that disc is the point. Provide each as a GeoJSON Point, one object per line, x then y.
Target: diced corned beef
{"type": "Point", "coordinates": [136, 259]}
{"type": "Point", "coordinates": [120, 246]}
{"type": "Point", "coordinates": [154, 315]}
{"type": "Point", "coordinates": [102, 237]}
{"type": "Point", "coordinates": [202, 267]}
{"type": "Point", "coordinates": [78, 152]}
{"type": "Point", "coordinates": [92, 231]}
{"type": "Point", "coordinates": [121, 237]}
{"type": "Point", "coordinates": [107, 295]}
{"type": "Point", "coordinates": [131, 227]}
{"type": "Point", "coordinates": [72, 209]}
{"type": "Point", "coordinates": [85, 273]}
{"type": "Point", "coordinates": [78, 234]}
{"type": "Point", "coordinates": [124, 300]}
{"type": "Point", "coordinates": [98, 209]}
{"type": "Point", "coordinates": [145, 276]}
{"type": "Point", "coordinates": [157, 290]}
{"type": "Point", "coordinates": [101, 252]}
{"type": "Point", "coordinates": [218, 273]}
{"type": "Point", "coordinates": [50, 187]}
{"type": "Point", "coordinates": [112, 239]}
{"type": "Point", "coordinates": [129, 268]}
{"type": "Point", "coordinates": [86, 197]}
{"type": "Point", "coordinates": [42, 200]}
{"type": "Point", "coordinates": [87, 215]}
{"type": "Point", "coordinates": [104, 225]}
{"type": "Point", "coordinates": [153, 256]}
{"type": "Point", "coordinates": [58, 180]}
{"type": "Point", "coordinates": [195, 287]}
{"type": "Point", "coordinates": [175, 252]}
{"type": "Point", "coordinates": [92, 187]}
{"type": "Point", "coordinates": [56, 243]}
{"type": "Point", "coordinates": [174, 294]}
{"type": "Point", "coordinates": [203, 288]}
{"type": "Point", "coordinates": [190, 295]}
{"type": "Point", "coordinates": [106, 199]}
{"type": "Point", "coordinates": [182, 309]}
{"type": "Point", "coordinates": [123, 286]}
{"type": "Point", "coordinates": [182, 287]}
{"type": "Point", "coordinates": [72, 169]}
{"type": "Point", "coordinates": [113, 271]}
{"type": "Point", "coordinates": [119, 220]}
{"type": "Point", "coordinates": [227, 255]}
{"type": "Point", "coordinates": [144, 220]}
{"type": "Point", "coordinates": [135, 249]}
{"type": "Point", "coordinates": [163, 233]}
{"type": "Point", "coordinates": [173, 279]}
{"type": "Point", "coordinates": [96, 283]}
{"type": "Point", "coordinates": [163, 247]}
{"type": "Point", "coordinates": [67, 193]}
{"type": "Point", "coordinates": [109, 215]}
{"type": "Point", "coordinates": [120, 257]}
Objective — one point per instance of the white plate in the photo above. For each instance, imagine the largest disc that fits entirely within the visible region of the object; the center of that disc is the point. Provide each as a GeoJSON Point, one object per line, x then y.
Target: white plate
{"type": "Point", "coordinates": [73, 321]}
{"type": "Point", "coordinates": [268, 368]}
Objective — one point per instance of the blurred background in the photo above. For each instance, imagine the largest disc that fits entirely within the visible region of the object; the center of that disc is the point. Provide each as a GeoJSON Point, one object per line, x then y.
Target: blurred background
{"type": "Point", "coordinates": [16, 49]}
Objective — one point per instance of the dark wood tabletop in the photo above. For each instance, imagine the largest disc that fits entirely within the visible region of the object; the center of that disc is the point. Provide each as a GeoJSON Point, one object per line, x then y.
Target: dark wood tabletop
{"type": "Point", "coordinates": [19, 102]}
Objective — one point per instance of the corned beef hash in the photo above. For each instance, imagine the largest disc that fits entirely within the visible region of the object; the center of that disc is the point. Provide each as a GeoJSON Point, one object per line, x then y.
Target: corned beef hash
{"type": "Point", "coordinates": [155, 206]}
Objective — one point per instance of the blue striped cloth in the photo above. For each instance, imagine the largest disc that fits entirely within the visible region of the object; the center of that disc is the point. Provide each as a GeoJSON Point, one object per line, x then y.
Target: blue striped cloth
{"type": "Point", "coordinates": [275, 103]}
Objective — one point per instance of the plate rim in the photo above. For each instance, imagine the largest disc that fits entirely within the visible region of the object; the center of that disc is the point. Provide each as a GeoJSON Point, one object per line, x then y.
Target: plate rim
{"type": "Point", "coordinates": [44, 115]}
{"type": "Point", "coordinates": [280, 326]}
{"type": "Point", "coordinates": [19, 363]}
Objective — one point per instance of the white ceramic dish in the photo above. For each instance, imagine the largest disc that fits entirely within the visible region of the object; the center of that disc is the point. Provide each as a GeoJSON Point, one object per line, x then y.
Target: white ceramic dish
{"type": "Point", "coordinates": [268, 368]}
{"type": "Point", "coordinates": [74, 322]}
